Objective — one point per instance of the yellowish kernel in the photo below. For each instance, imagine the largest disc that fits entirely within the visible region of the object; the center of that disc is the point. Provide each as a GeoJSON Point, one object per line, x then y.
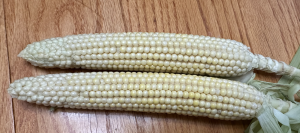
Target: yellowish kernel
{"type": "Point", "coordinates": [142, 87]}
{"type": "Point", "coordinates": [185, 94]}
{"type": "Point", "coordinates": [92, 100]}
{"type": "Point", "coordinates": [155, 101]}
{"type": "Point", "coordinates": [213, 105]}
{"type": "Point", "coordinates": [223, 92]}
{"type": "Point", "coordinates": [191, 95]}
{"type": "Point", "coordinates": [200, 83]}
{"type": "Point", "coordinates": [196, 102]}
{"type": "Point", "coordinates": [206, 90]}
{"type": "Point", "coordinates": [208, 97]}
{"type": "Point", "coordinates": [197, 95]}
{"type": "Point", "coordinates": [203, 96]}
{"type": "Point", "coordinates": [133, 93]}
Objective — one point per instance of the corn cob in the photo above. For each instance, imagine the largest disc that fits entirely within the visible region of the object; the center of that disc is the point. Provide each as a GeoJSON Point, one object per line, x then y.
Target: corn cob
{"type": "Point", "coordinates": [145, 92]}
{"type": "Point", "coordinates": [154, 52]}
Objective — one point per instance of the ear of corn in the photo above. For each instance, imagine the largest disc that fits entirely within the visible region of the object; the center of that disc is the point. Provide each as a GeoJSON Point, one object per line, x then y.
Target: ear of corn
{"type": "Point", "coordinates": [155, 52]}
{"type": "Point", "coordinates": [145, 92]}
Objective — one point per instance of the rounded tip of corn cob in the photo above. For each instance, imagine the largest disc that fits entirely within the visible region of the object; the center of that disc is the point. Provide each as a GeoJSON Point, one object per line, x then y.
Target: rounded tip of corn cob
{"type": "Point", "coordinates": [23, 54]}
{"type": "Point", "coordinates": [48, 53]}
{"type": "Point", "coordinates": [148, 92]}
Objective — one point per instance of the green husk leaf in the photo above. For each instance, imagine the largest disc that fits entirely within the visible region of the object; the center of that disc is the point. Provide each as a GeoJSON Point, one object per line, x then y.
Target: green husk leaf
{"type": "Point", "coordinates": [271, 120]}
